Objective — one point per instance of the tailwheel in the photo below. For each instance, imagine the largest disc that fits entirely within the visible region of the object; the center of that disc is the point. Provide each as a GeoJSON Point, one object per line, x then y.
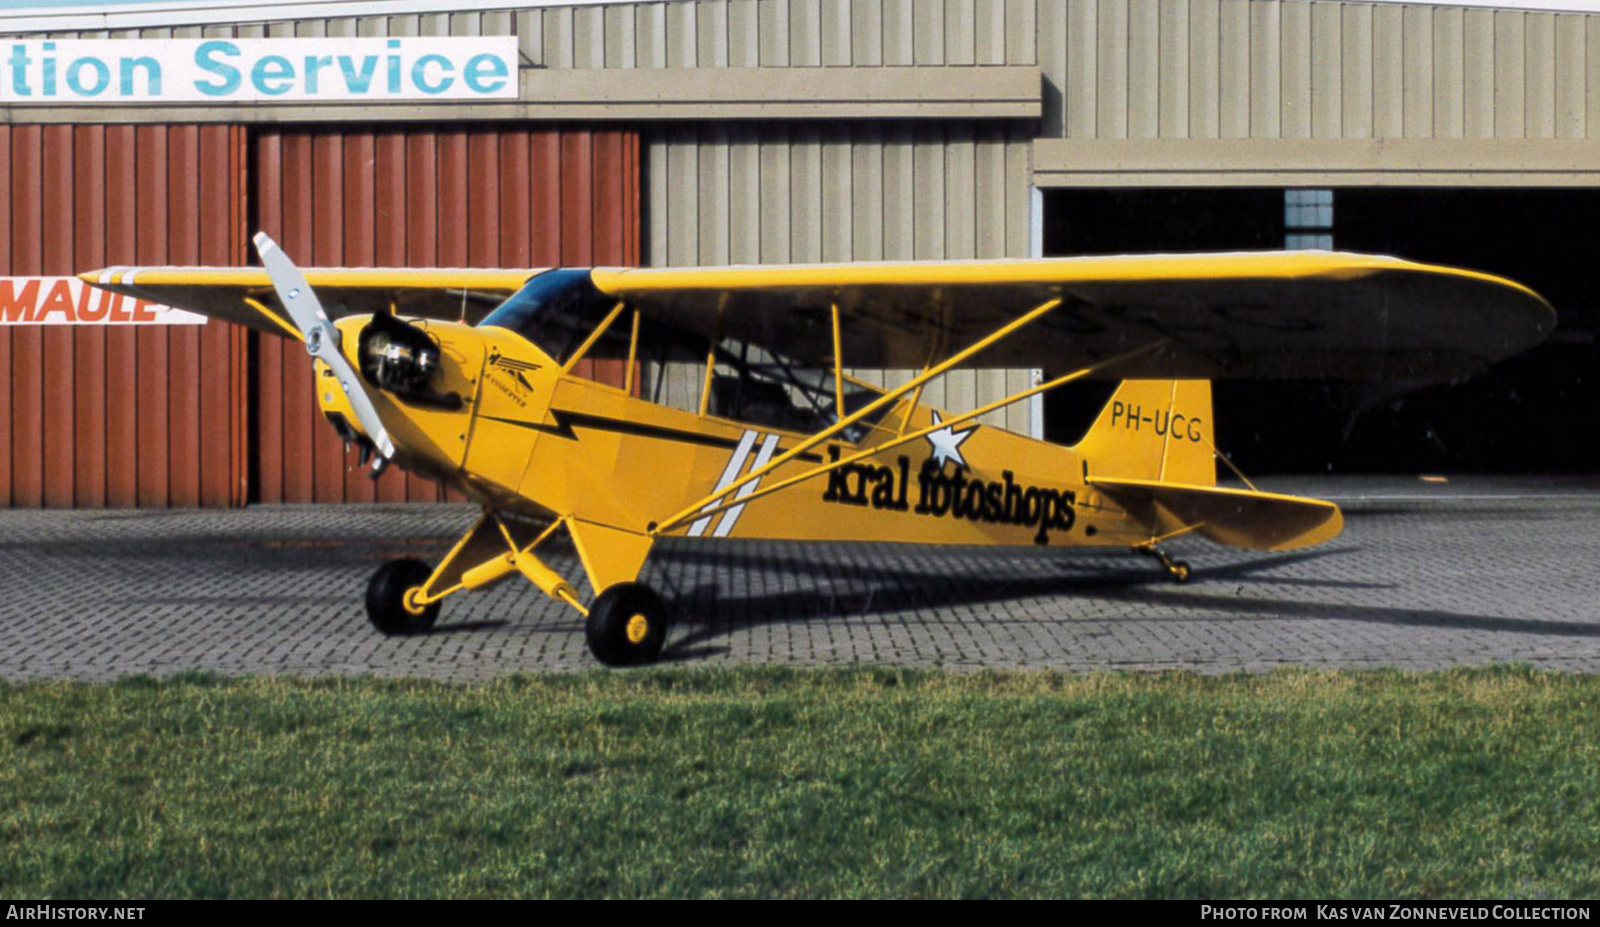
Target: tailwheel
{"type": "Point", "coordinates": [626, 625]}
{"type": "Point", "coordinates": [388, 598]}
{"type": "Point", "coordinates": [1179, 570]}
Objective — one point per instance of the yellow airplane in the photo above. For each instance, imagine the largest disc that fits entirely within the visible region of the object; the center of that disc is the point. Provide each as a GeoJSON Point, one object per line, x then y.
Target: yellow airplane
{"type": "Point", "coordinates": [476, 379]}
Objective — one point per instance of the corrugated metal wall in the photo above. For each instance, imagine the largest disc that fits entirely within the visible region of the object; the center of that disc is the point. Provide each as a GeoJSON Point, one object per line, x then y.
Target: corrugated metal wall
{"type": "Point", "coordinates": [95, 416]}
{"type": "Point", "coordinates": [451, 196]}
{"type": "Point", "coordinates": [1238, 69]}
{"type": "Point", "coordinates": [778, 193]}
{"type": "Point", "coordinates": [1144, 68]}
{"type": "Point", "coordinates": [1114, 68]}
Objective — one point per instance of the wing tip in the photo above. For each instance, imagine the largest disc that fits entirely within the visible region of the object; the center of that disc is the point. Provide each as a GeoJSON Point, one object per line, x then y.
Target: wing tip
{"type": "Point", "coordinates": [104, 276]}
{"type": "Point", "coordinates": [1329, 528]}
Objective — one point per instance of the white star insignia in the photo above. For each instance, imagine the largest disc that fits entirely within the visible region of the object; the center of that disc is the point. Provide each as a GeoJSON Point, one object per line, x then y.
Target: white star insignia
{"type": "Point", "coordinates": [947, 443]}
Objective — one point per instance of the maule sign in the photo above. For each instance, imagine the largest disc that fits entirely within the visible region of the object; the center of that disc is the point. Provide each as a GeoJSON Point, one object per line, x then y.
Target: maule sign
{"type": "Point", "coordinates": [370, 70]}
{"type": "Point", "coordinates": [70, 301]}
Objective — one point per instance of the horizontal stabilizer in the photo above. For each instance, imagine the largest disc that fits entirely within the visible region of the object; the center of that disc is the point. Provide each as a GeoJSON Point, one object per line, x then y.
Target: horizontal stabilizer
{"type": "Point", "coordinates": [1235, 517]}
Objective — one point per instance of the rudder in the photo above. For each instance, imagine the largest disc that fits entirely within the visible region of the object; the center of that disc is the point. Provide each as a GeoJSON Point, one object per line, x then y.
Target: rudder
{"type": "Point", "coordinates": [1154, 430]}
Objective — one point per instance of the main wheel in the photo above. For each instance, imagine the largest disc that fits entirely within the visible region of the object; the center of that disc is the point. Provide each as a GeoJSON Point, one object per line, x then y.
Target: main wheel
{"type": "Point", "coordinates": [386, 598]}
{"type": "Point", "coordinates": [627, 625]}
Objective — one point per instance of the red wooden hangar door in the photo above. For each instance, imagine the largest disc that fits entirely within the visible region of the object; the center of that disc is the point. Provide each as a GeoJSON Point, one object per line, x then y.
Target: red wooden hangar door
{"type": "Point", "coordinates": [98, 415]}
{"type": "Point", "coordinates": [478, 196]}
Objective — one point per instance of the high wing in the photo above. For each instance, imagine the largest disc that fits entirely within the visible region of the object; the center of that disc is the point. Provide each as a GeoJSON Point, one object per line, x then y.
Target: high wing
{"type": "Point", "coordinates": [1301, 315]}
{"type": "Point", "coordinates": [227, 292]}
{"type": "Point", "coordinates": [1307, 314]}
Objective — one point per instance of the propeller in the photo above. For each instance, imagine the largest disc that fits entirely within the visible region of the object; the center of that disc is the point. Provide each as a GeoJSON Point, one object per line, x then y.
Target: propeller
{"type": "Point", "coordinates": [321, 338]}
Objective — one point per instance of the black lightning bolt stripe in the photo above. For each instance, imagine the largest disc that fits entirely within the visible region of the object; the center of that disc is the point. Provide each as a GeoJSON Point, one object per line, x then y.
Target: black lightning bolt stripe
{"type": "Point", "coordinates": [566, 421]}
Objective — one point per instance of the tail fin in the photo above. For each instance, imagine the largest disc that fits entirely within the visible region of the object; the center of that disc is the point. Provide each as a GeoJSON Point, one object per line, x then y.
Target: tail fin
{"type": "Point", "coordinates": [1158, 430]}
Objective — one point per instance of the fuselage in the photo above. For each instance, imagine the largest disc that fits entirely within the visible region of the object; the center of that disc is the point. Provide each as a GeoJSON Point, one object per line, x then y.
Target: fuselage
{"type": "Point", "coordinates": [529, 436]}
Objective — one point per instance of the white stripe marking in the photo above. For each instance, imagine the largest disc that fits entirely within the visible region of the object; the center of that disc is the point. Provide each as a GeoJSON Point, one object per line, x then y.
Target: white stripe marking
{"type": "Point", "coordinates": [732, 518]}
{"type": "Point", "coordinates": [729, 473]}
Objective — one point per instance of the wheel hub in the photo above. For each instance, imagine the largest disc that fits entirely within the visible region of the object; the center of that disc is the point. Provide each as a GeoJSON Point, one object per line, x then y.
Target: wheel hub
{"type": "Point", "coordinates": [411, 603]}
{"type": "Point", "coordinates": [638, 628]}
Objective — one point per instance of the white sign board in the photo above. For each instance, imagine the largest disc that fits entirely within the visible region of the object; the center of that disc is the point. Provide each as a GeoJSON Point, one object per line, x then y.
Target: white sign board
{"type": "Point", "coordinates": [70, 301]}
{"type": "Point", "coordinates": [56, 72]}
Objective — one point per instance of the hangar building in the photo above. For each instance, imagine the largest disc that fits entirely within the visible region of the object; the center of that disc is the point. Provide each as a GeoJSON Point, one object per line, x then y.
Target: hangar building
{"type": "Point", "coordinates": [734, 131]}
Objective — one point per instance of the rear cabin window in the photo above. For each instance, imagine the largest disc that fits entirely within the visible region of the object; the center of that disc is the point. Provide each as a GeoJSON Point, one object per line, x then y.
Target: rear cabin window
{"type": "Point", "coordinates": [753, 385]}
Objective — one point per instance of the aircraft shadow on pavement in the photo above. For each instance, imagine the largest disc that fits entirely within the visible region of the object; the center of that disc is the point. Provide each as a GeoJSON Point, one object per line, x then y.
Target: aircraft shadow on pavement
{"type": "Point", "coordinates": [469, 627]}
{"type": "Point", "coordinates": [815, 589]}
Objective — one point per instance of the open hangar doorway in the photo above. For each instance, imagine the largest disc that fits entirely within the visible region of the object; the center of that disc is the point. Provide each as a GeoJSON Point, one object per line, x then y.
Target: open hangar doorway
{"type": "Point", "coordinates": [1529, 413]}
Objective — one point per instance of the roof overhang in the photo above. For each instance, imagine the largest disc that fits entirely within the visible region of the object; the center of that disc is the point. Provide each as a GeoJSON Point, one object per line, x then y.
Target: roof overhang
{"type": "Point", "coordinates": [646, 94]}
{"type": "Point", "coordinates": [1375, 162]}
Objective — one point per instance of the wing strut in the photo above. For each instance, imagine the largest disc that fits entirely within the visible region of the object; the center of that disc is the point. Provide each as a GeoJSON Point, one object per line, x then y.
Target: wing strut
{"type": "Point", "coordinates": [845, 421]}
{"type": "Point", "coordinates": [633, 354]}
{"type": "Point", "coordinates": [594, 336]}
{"type": "Point", "coordinates": [747, 498]}
{"type": "Point", "coordinates": [838, 365]}
{"type": "Point", "coordinates": [274, 318]}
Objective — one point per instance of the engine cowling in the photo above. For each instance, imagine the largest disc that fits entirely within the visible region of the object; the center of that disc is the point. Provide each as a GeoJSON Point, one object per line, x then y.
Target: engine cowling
{"type": "Point", "coordinates": [402, 359]}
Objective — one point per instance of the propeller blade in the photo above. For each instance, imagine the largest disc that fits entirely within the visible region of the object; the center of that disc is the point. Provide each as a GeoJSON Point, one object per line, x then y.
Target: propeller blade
{"type": "Point", "coordinates": [322, 339]}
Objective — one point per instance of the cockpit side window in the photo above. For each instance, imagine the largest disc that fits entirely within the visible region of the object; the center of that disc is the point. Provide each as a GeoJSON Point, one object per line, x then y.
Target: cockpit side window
{"type": "Point", "coordinates": [756, 386]}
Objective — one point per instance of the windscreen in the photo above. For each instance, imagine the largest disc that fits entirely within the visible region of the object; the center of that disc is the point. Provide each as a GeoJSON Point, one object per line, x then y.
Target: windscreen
{"type": "Point", "coordinates": [556, 311]}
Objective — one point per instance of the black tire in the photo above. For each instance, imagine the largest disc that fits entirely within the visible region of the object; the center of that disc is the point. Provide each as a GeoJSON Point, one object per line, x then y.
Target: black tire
{"type": "Point", "coordinates": [386, 593]}
{"type": "Point", "coordinates": [627, 625]}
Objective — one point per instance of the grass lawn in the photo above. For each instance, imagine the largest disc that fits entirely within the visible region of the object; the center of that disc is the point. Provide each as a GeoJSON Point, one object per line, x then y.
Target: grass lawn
{"type": "Point", "coordinates": [771, 782]}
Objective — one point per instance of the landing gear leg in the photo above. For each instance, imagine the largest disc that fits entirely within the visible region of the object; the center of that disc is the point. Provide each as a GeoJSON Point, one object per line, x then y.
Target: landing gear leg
{"type": "Point", "coordinates": [626, 625]}
{"type": "Point", "coordinates": [1179, 570]}
{"type": "Point", "coordinates": [403, 596]}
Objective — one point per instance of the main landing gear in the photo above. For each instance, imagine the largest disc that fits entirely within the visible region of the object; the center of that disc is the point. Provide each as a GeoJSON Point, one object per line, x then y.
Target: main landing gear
{"type": "Point", "coordinates": [626, 625]}
{"type": "Point", "coordinates": [387, 593]}
{"type": "Point", "coordinates": [1179, 570]}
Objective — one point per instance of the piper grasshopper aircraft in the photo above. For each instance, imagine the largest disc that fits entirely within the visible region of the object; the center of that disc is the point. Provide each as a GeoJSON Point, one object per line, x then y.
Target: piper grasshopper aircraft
{"type": "Point", "coordinates": [779, 443]}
